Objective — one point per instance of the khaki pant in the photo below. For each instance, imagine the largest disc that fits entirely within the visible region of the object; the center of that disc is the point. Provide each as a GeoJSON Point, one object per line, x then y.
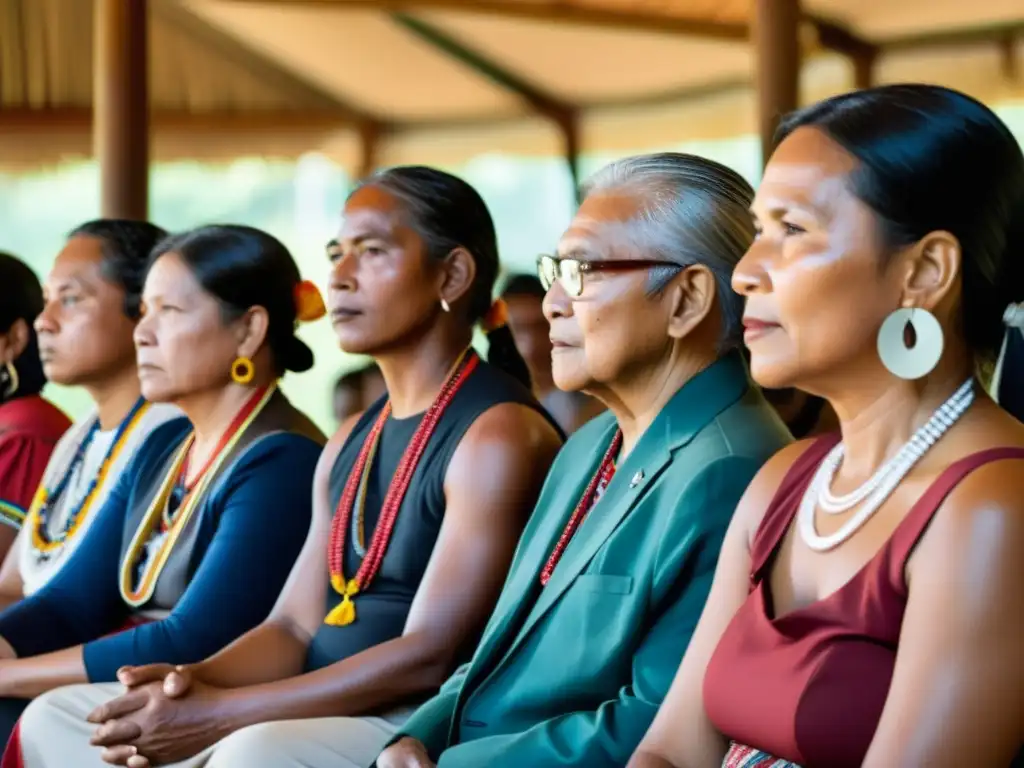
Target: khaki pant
{"type": "Point", "coordinates": [55, 734]}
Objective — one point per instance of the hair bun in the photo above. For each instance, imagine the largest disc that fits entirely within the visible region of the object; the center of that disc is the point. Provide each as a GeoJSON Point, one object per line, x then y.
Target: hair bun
{"type": "Point", "coordinates": [297, 356]}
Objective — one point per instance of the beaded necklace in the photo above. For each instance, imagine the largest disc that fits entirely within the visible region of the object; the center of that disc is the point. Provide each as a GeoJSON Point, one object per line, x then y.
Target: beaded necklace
{"type": "Point", "coordinates": [598, 483]}
{"type": "Point", "coordinates": [42, 506]}
{"type": "Point", "coordinates": [345, 612]}
{"type": "Point", "coordinates": [160, 527]}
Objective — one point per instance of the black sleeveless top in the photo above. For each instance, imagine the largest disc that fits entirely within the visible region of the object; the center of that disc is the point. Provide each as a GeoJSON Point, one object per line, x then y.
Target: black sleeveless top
{"type": "Point", "coordinates": [382, 610]}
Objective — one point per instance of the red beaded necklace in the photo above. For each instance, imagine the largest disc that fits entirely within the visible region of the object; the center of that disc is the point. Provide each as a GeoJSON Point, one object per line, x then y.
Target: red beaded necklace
{"type": "Point", "coordinates": [182, 488]}
{"type": "Point", "coordinates": [345, 612]}
{"type": "Point", "coordinates": [603, 476]}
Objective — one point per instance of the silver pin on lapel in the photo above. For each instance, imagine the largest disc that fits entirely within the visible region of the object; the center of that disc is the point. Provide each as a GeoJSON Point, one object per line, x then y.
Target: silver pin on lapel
{"type": "Point", "coordinates": [637, 479]}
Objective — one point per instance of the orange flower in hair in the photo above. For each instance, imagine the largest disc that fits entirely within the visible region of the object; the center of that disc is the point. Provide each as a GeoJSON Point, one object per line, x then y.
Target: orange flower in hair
{"type": "Point", "coordinates": [309, 304]}
{"type": "Point", "coordinates": [496, 317]}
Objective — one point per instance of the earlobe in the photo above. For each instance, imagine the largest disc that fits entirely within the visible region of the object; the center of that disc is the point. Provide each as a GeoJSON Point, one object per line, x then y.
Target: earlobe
{"type": "Point", "coordinates": [693, 298]}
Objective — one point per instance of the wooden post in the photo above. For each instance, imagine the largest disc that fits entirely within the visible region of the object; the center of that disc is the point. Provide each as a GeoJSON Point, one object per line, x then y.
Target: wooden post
{"type": "Point", "coordinates": [369, 149]}
{"type": "Point", "coordinates": [121, 107]}
{"type": "Point", "coordinates": [864, 70]}
{"type": "Point", "coordinates": [569, 125]}
{"type": "Point", "coordinates": [777, 44]}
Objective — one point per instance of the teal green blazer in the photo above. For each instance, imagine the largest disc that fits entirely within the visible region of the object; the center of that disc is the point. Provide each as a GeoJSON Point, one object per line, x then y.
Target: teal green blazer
{"type": "Point", "coordinates": [572, 674]}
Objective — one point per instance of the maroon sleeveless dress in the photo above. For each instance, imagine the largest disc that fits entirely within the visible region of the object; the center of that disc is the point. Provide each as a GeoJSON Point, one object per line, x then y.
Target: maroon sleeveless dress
{"type": "Point", "coordinates": [808, 687]}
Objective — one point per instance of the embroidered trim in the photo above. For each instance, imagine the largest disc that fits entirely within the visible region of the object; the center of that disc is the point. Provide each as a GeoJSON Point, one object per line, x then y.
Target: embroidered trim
{"type": "Point", "coordinates": [42, 504]}
{"type": "Point", "coordinates": [11, 514]}
{"type": "Point", "coordinates": [150, 524]}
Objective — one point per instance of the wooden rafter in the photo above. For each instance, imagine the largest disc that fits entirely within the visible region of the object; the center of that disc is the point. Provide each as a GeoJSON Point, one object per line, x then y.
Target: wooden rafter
{"type": "Point", "coordinates": [958, 37]}
{"type": "Point", "coordinates": [554, 12]}
{"type": "Point", "coordinates": [563, 114]}
{"type": "Point", "coordinates": [265, 68]}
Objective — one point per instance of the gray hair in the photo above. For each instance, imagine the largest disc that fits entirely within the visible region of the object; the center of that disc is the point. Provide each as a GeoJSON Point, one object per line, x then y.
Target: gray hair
{"type": "Point", "coordinates": [692, 211]}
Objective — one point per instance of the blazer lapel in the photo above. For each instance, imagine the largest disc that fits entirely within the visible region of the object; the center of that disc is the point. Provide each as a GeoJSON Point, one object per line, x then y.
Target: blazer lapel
{"type": "Point", "coordinates": [692, 408]}
{"type": "Point", "coordinates": [628, 485]}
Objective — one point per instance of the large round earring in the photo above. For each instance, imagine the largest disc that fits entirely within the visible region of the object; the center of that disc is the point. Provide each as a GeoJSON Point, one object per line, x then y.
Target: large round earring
{"type": "Point", "coordinates": [910, 343]}
{"type": "Point", "coordinates": [11, 376]}
{"type": "Point", "coordinates": [242, 370]}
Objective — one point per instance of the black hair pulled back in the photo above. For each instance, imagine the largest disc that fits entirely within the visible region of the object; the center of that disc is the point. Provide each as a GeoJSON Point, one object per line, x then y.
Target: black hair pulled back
{"type": "Point", "coordinates": [244, 267]}
{"type": "Point", "coordinates": [931, 158]}
{"type": "Point", "coordinates": [447, 213]}
{"type": "Point", "coordinates": [21, 298]}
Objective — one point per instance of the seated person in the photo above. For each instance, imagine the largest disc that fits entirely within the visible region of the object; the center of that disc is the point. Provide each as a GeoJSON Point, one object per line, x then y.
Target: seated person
{"type": "Point", "coordinates": [615, 564]}
{"type": "Point", "coordinates": [524, 295]}
{"type": "Point", "coordinates": [867, 608]}
{"type": "Point", "coordinates": [419, 503]}
{"type": "Point", "coordinates": [357, 390]}
{"type": "Point", "coordinates": [196, 540]}
{"type": "Point", "coordinates": [29, 425]}
{"type": "Point", "coordinates": [92, 298]}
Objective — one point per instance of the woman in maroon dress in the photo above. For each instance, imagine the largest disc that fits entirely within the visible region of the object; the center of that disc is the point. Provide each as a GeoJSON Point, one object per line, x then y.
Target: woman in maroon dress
{"type": "Point", "coordinates": [866, 610]}
{"type": "Point", "coordinates": [29, 425]}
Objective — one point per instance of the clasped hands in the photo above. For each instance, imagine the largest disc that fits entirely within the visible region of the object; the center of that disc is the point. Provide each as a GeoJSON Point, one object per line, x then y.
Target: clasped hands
{"type": "Point", "coordinates": [165, 716]}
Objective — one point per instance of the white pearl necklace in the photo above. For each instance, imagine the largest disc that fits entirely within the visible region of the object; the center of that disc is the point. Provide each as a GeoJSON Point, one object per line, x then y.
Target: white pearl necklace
{"type": "Point", "coordinates": [873, 493]}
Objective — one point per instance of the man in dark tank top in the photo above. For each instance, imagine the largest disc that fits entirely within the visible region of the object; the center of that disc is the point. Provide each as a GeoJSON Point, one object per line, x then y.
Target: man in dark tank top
{"type": "Point", "coordinates": [614, 566]}
{"type": "Point", "coordinates": [418, 503]}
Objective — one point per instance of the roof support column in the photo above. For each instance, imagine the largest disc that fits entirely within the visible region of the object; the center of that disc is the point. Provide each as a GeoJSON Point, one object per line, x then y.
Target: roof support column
{"type": "Point", "coordinates": [777, 65]}
{"type": "Point", "coordinates": [369, 147]}
{"type": "Point", "coordinates": [121, 113]}
{"type": "Point", "coordinates": [569, 125]}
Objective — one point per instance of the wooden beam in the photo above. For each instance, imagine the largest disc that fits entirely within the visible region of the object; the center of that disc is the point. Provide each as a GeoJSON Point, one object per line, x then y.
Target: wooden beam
{"type": "Point", "coordinates": [72, 119]}
{"type": "Point", "coordinates": [541, 102]}
{"type": "Point", "coordinates": [547, 12]}
{"type": "Point", "coordinates": [954, 38]}
{"type": "Point", "coordinates": [836, 37]}
{"type": "Point", "coordinates": [264, 68]}
{"type": "Point", "coordinates": [564, 115]}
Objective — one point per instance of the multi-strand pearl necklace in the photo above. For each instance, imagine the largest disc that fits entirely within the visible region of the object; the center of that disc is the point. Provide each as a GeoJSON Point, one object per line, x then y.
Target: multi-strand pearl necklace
{"type": "Point", "coordinates": [873, 493]}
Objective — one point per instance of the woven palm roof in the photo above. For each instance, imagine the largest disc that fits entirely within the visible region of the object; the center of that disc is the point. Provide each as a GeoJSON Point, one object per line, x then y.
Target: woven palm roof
{"type": "Point", "coordinates": [441, 80]}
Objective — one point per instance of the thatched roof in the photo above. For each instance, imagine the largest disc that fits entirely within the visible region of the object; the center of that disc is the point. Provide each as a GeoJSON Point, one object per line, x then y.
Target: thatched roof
{"type": "Point", "coordinates": [441, 80]}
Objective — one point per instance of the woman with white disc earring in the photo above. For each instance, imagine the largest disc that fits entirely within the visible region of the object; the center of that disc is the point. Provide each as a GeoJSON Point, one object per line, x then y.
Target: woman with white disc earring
{"type": "Point", "coordinates": [867, 606]}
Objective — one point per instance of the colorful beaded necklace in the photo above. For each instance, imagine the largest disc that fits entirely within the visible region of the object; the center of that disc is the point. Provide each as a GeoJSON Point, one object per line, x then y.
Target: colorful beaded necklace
{"type": "Point", "coordinates": [160, 528]}
{"type": "Point", "coordinates": [345, 612]}
{"type": "Point", "coordinates": [42, 543]}
{"type": "Point", "coordinates": [598, 483]}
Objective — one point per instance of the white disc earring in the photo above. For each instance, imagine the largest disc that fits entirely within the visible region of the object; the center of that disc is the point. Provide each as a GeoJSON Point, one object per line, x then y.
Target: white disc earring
{"type": "Point", "coordinates": [910, 343]}
{"type": "Point", "coordinates": [444, 306]}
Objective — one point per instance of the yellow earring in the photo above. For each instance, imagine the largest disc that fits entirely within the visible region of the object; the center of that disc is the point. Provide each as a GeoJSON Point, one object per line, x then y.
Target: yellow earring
{"type": "Point", "coordinates": [242, 370]}
{"type": "Point", "coordinates": [11, 374]}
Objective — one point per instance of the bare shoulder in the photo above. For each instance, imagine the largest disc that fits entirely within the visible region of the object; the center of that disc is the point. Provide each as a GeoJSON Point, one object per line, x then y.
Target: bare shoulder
{"type": "Point", "coordinates": [505, 434]}
{"type": "Point", "coordinates": [763, 487]}
{"type": "Point", "coordinates": [985, 509]}
{"type": "Point", "coordinates": [516, 425]}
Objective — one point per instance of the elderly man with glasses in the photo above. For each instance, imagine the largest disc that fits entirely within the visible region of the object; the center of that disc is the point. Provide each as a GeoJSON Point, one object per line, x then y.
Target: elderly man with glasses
{"type": "Point", "coordinates": [615, 565]}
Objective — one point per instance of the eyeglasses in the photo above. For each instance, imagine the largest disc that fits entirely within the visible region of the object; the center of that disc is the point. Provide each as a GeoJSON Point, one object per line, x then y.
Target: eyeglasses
{"type": "Point", "coordinates": [569, 272]}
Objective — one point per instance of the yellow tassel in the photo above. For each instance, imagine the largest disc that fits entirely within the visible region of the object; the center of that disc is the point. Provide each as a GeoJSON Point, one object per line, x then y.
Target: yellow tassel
{"type": "Point", "coordinates": [344, 613]}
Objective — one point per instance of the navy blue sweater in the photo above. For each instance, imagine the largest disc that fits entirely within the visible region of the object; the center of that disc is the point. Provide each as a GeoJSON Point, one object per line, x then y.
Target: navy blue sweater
{"type": "Point", "coordinates": [252, 525]}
